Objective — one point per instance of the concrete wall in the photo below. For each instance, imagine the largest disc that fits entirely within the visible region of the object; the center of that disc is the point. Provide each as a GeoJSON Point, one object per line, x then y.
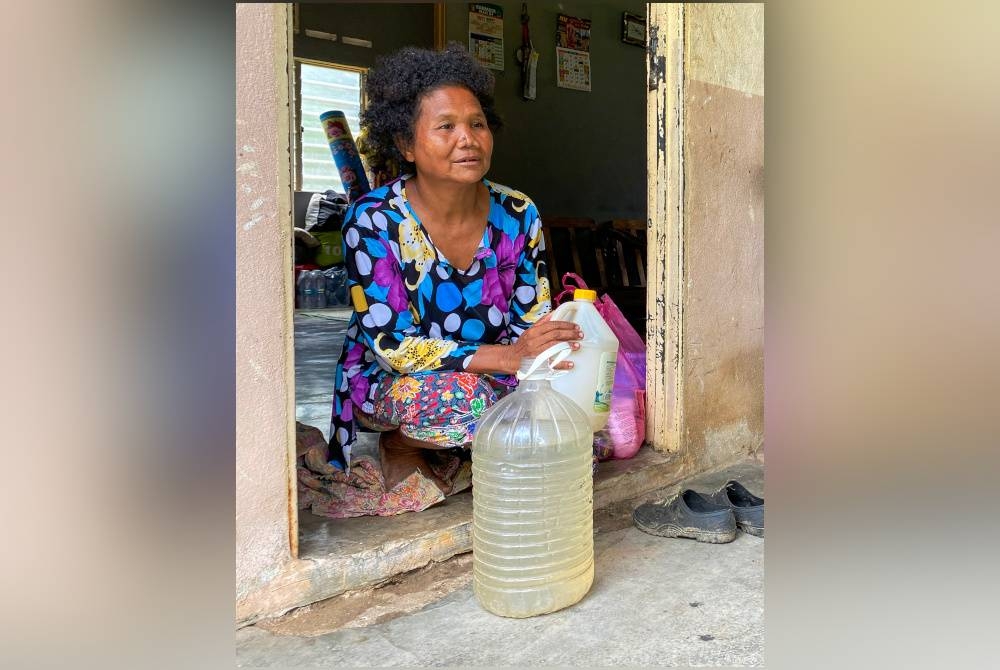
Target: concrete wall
{"type": "Point", "coordinates": [388, 25]}
{"type": "Point", "coordinates": [723, 355]}
{"type": "Point", "coordinates": [264, 374]}
{"type": "Point", "coordinates": [575, 153]}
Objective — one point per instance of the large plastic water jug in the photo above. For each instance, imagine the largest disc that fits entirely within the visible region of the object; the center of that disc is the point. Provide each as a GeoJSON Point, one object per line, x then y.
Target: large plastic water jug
{"type": "Point", "coordinates": [532, 498]}
{"type": "Point", "coordinates": [590, 381]}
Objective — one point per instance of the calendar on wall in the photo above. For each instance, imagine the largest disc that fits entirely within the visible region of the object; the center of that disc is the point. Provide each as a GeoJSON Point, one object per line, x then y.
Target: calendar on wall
{"type": "Point", "coordinates": [572, 52]}
{"type": "Point", "coordinates": [486, 34]}
{"type": "Point", "coordinates": [572, 69]}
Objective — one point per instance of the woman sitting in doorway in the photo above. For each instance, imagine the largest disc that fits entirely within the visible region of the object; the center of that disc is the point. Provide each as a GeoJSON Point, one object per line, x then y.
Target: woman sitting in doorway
{"type": "Point", "coordinates": [446, 270]}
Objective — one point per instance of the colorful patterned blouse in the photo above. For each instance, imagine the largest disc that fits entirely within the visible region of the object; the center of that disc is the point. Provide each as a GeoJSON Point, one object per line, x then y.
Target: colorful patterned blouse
{"type": "Point", "coordinates": [414, 311]}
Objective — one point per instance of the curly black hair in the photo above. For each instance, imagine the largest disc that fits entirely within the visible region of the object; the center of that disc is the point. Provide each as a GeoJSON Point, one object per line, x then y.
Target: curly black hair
{"type": "Point", "coordinates": [395, 87]}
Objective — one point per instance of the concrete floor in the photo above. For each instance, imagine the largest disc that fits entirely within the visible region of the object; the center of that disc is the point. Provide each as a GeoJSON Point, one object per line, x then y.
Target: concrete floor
{"type": "Point", "coordinates": [319, 337]}
{"type": "Point", "coordinates": [655, 602]}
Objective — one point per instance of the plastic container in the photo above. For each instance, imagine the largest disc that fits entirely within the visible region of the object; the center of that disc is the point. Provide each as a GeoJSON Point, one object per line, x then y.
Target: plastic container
{"type": "Point", "coordinates": [307, 290]}
{"type": "Point", "coordinates": [590, 381]}
{"type": "Point", "coordinates": [532, 500]}
{"type": "Point", "coordinates": [345, 154]}
{"type": "Point", "coordinates": [319, 282]}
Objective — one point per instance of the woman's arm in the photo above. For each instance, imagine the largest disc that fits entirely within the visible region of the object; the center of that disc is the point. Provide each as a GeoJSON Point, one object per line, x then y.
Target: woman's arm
{"type": "Point", "coordinates": [506, 358]}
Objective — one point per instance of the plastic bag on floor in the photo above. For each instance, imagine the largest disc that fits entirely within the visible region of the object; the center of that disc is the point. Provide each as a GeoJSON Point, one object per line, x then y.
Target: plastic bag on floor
{"type": "Point", "coordinates": [626, 429]}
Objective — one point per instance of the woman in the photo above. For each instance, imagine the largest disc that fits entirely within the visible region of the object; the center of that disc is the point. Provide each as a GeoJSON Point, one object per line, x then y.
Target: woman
{"type": "Point", "coordinates": [446, 269]}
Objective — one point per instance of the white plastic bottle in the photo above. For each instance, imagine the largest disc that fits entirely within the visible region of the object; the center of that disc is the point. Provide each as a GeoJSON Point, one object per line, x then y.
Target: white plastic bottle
{"type": "Point", "coordinates": [590, 381]}
{"type": "Point", "coordinates": [532, 500]}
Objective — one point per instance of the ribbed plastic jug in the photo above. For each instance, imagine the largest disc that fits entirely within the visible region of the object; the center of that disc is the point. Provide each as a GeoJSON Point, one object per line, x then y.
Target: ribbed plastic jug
{"type": "Point", "coordinates": [532, 501]}
{"type": "Point", "coordinates": [590, 381]}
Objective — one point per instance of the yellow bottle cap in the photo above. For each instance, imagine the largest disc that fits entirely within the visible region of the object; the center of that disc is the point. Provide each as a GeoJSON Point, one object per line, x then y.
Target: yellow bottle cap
{"type": "Point", "coordinates": [585, 294]}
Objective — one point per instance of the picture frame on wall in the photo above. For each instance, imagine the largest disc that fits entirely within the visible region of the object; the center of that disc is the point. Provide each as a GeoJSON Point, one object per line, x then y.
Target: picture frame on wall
{"type": "Point", "coordinates": [633, 29]}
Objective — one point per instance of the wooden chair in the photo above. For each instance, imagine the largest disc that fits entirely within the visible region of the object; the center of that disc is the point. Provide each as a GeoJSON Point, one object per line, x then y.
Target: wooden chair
{"type": "Point", "coordinates": [629, 239]}
{"type": "Point", "coordinates": [625, 250]}
{"type": "Point", "coordinates": [571, 245]}
{"type": "Point", "coordinates": [611, 258]}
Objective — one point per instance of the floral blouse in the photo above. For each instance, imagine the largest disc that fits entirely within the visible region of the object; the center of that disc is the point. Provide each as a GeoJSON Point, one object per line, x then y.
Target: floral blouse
{"type": "Point", "coordinates": [414, 311]}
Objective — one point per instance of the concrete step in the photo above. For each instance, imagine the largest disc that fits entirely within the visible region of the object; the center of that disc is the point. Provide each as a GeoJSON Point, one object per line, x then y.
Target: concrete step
{"type": "Point", "coordinates": [341, 555]}
{"type": "Point", "coordinates": [413, 591]}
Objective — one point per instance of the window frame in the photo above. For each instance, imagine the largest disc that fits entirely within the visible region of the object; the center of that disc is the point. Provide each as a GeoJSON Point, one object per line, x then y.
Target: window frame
{"type": "Point", "coordinates": [297, 106]}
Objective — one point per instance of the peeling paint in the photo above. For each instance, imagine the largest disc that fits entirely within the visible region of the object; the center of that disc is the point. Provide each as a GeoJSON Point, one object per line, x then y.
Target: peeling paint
{"type": "Point", "coordinates": [657, 62]}
{"type": "Point", "coordinates": [253, 221]}
{"type": "Point", "coordinates": [661, 135]}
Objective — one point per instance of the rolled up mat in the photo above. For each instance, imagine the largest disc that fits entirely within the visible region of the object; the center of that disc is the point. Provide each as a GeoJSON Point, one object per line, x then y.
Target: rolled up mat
{"type": "Point", "coordinates": [345, 154]}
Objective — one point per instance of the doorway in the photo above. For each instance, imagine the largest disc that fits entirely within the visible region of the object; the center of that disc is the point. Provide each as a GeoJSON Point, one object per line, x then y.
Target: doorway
{"type": "Point", "coordinates": [580, 155]}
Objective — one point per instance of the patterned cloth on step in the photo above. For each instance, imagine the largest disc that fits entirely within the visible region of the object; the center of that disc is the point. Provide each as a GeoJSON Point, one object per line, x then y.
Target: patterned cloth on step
{"type": "Point", "coordinates": [328, 491]}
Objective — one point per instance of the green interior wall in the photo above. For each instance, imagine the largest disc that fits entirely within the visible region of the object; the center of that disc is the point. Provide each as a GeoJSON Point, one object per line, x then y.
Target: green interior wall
{"type": "Point", "coordinates": [388, 25]}
{"type": "Point", "coordinates": [575, 153]}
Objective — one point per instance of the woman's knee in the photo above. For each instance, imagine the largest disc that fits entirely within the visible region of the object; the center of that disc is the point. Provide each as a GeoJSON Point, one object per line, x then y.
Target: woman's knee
{"type": "Point", "coordinates": [438, 399]}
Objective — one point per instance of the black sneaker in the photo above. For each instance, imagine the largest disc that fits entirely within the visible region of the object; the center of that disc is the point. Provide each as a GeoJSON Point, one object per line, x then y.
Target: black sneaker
{"type": "Point", "coordinates": [690, 515]}
{"type": "Point", "coordinates": [747, 508]}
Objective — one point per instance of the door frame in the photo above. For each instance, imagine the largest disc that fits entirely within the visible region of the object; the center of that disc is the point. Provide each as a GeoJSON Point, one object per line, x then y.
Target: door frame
{"type": "Point", "coordinates": [665, 234]}
{"type": "Point", "coordinates": [266, 489]}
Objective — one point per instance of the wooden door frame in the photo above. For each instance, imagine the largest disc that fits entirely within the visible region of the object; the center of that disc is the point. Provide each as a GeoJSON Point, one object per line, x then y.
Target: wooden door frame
{"type": "Point", "coordinates": [665, 236]}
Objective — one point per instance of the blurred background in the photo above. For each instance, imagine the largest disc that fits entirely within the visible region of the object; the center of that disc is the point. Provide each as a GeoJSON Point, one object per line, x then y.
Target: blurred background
{"type": "Point", "coordinates": [881, 337]}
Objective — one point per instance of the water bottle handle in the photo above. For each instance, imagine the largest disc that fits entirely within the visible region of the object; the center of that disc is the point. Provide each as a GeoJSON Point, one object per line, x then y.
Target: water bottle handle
{"type": "Point", "coordinates": [557, 353]}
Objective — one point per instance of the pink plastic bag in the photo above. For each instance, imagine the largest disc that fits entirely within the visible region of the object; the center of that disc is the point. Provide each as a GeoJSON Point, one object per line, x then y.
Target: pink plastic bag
{"type": "Point", "coordinates": [627, 421]}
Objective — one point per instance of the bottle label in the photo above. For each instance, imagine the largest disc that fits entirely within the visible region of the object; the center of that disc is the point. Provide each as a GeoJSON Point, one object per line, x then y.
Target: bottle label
{"type": "Point", "coordinates": [605, 381]}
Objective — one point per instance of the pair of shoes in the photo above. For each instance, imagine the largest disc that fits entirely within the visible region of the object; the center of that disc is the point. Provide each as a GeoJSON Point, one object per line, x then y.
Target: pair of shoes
{"type": "Point", "coordinates": [748, 509]}
{"type": "Point", "coordinates": [706, 518]}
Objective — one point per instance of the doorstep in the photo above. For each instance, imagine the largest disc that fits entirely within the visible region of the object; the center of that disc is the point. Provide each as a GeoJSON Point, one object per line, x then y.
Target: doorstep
{"type": "Point", "coordinates": [341, 555]}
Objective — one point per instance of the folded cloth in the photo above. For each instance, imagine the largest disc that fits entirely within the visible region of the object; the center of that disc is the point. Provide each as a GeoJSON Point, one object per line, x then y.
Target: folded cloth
{"type": "Point", "coordinates": [328, 491]}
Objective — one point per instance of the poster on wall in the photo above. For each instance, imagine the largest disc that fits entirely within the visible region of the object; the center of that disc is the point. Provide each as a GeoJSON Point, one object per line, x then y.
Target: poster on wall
{"type": "Point", "coordinates": [572, 69]}
{"type": "Point", "coordinates": [572, 32]}
{"type": "Point", "coordinates": [486, 34]}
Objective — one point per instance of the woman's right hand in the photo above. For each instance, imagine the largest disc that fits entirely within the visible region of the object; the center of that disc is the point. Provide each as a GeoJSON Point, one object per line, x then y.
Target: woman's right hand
{"type": "Point", "coordinates": [543, 334]}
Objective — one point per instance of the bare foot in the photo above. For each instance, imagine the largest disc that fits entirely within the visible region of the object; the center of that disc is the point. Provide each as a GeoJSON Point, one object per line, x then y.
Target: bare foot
{"type": "Point", "coordinates": [400, 459]}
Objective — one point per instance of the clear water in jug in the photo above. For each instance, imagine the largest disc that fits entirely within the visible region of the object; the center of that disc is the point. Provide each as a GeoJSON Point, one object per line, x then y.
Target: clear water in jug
{"type": "Point", "coordinates": [532, 498]}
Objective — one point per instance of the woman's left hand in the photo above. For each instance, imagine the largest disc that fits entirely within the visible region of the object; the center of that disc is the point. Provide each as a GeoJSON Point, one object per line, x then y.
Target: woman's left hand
{"type": "Point", "coordinates": [543, 334]}
{"type": "Point", "coordinates": [506, 358]}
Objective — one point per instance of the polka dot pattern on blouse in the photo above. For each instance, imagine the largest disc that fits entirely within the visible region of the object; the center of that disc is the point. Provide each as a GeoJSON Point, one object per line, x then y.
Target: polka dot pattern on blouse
{"type": "Point", "coordinates": [413, 311]}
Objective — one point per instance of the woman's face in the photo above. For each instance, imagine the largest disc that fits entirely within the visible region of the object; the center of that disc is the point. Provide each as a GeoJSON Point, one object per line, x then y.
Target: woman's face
{"type": "Point", "coordinates": [451, 140]}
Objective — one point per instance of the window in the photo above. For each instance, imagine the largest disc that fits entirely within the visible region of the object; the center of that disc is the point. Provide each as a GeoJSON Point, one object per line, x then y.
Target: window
{"type": "Point", "coordinates": [321, 88]}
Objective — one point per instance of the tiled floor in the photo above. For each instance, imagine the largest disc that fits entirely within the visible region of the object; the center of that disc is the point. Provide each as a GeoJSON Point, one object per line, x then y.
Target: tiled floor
{"type": "Point", "coordinates": [319, 336]}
